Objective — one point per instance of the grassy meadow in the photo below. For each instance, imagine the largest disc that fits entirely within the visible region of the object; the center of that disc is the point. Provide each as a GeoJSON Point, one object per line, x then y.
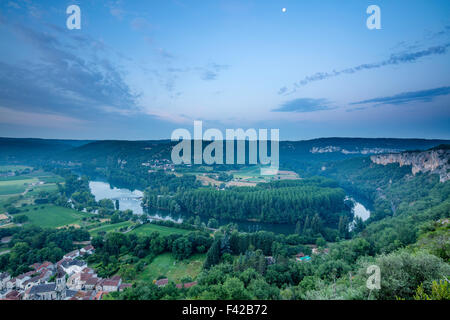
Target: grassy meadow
{"type": "Point", "coordinates": [165, 265]}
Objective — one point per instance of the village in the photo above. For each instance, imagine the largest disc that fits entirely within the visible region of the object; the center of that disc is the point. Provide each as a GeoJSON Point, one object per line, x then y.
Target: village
{"type": "Point", "coordinates": [68, 279]}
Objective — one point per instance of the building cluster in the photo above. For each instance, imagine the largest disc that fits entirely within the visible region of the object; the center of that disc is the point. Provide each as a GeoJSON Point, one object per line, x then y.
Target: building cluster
{"type": "Point", "coordinates": [159, 164]}
{"type": "Point", "coordinates": [301, 257]}
{"type": "Point", "coordinates": [4, 218]}
{"type": "Point", "coordinates": [68, 279]}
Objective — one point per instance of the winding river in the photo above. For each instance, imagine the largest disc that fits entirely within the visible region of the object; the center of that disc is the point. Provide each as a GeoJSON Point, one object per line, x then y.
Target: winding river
{"type": "Point", "coordinates": [132, 200]}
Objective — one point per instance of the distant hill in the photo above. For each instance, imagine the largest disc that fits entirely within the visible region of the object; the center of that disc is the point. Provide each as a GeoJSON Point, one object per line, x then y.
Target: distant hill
{"type": "Point", "coordinates": [101, 151]}
{"type": "Point", "coordinates": [28, 149]}
{"type": "Point", "coordinates": [291, 152]}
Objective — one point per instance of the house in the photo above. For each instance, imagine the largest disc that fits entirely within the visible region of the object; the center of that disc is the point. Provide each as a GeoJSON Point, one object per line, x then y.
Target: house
{"type": "Point", "coordinates": [270, 260]}
{"type": "Point", "coordinates": [303, 259]}
{"type": "Point", "coordinates": [73, 282]}
{"type": "Point", "coordinates": [46, 265]}
{"type": "Point", "coordinates": [31, 282]}
{"type": "Point", "coordinates": [87, 250]}
{"type": "Point", "coordinates": [11, 284]}
{"type": "Point", "coordinates": [186, 285]}
{"type": "Point", "coordinates": [73, 266]}
{"type": "Point", "coordinates": [88, 270]}
{"type": "Point", "coordinates": [3, 218]}
{"type": "Point", "coordinates": [83, 281]}
{"type": "Point", "coordinates": [73, 254]}
{"type": "Point", "coordinates": [4, 278]}
{"type": "Point", "coordinates": [35, 266]}
{"type": "Point", "coordinates": [124, 286]}
{"type": "Point", "coordinates": [45, 291]}
{"type": "Point", "coordinates": [108, 285]}
{"type": "Point", "coordinates": [45, 275]}
{"type": "Point", "coordinates": [67, 294]}
{"type": "Point", "coordinates": [84, 295]}
{"type": "Point", "coordinates": [13, 295]}
{"type": "Point", "coordinates": [319, 250]}
{"type": "Point", "coordinates": [22, 278]}
{"type": "Point", "coordinates": [5, 240]}
{"type": "Point", "coordinates": [91, 283]}
{"type": "Point", "coordinates": [61, 261]}
{"type": "Point", "coordinates": [161, 282]}
{"type": "Point", "coordinates": [99, 295]}
{"type": "Point", "coordinates": [60, 279]}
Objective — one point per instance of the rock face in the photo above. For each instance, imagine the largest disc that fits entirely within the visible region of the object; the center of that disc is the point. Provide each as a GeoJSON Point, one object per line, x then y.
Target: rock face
{"type": "Point", "coordinates": [331, 149]}
{"type": "Point", "coordinates": [432, 161]}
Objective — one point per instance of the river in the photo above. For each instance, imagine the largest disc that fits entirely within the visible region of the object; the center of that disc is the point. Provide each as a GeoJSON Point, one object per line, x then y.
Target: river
{"type": "Point", "coordinates": [127, 199]}
{"type": "Point", "coordinates": [132, 200]}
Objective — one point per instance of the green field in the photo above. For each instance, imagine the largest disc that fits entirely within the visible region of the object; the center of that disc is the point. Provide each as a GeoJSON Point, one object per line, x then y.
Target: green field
{"type": "Point", "coordinates": [15, 186]}
{"type": "Point", "coordinates": [165, 265]}
{"type": "Point", "coordinates": [11, 178]}
{"type": "Point", "coordinates": [43, 187]}
{"type": "Point", "coordinates": [110, 227]}
{"type": "Point", "coordinates": [148, 228]}
{"type": "Point", "coordinates": [53, 216]}
{"type": "Point", "coordinates": [51, 179]}
{"type": "Point", "coordinates": [13, 168]}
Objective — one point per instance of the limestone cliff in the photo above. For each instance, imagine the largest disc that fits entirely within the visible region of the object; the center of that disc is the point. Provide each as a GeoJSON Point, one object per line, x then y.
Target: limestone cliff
{"type": "Point", "coordinates": [433, 161]}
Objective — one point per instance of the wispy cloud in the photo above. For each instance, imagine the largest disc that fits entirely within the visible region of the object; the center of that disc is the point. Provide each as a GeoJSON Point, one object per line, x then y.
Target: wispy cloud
{"type": "Point", "coordinates": [406, 97]}
{"type": "Point", "coordinates": [212, 71]}
{"type": "Point", "coordinates": [141, 24]}
{"type": "Point", "coordinates": [395, 59]}
{"type": "Point", "coordinates": [304, 105]}
{"type": "Point", "coordinates": [116, 10]}
{"type": "Point", "coordinates": [409, 54]}
{"type": "Point", "coordinates": [62, 80]}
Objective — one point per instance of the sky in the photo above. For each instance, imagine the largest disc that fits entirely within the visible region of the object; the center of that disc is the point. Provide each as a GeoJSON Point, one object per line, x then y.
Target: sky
{"type": "Point", "coordinates": [137, 70]}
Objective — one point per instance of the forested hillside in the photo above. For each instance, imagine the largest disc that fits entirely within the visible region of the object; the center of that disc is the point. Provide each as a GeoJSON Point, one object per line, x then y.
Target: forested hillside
{"type": "Point", "coordinates": [276, 202]}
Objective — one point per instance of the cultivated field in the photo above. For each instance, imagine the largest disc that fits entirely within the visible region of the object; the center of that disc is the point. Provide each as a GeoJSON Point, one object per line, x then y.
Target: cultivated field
{"type": "Point", "coordinates": [16, 186]}
{"type": "Point", "coordinates": [51, 216]}
{"type": "Point", "coordinates": [148, 228]}
{"type": "Point", "coordinates": [165, 265]}
{"type": "Point", "coordinates": [107, 228]}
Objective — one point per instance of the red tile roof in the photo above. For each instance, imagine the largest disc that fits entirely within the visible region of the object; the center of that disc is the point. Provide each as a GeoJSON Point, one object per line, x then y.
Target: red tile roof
{"type": "Point", "coordinates": [35, 266]}
{"type": "Point", "coordinates": [110, 283]}
{"type": "Point", "coordinates": [92, 281]}
{"type": "Point", "coordinates": [23, 275]}
{"type": "Point", "coordinates": [87, 270]}
{"type": "Point", "coordinates": [13, 295]}
{"type": "Point", "coordinates": [125, 285]}
{"type": "Point", "coordinates": [162, 282]}
{"type": "Point", "coordinates": [99, 295]}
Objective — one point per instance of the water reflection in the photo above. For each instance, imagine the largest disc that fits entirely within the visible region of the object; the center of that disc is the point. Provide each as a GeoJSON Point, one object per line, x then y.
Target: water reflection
{"type": "Point", "coordinates": [132, 200]}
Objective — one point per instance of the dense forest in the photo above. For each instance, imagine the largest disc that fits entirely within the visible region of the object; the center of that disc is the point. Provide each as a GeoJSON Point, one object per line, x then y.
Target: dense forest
{"type": "Point", "coordinates": [406, 236]}
{"type": "Point", "coordinates": [276, 202]}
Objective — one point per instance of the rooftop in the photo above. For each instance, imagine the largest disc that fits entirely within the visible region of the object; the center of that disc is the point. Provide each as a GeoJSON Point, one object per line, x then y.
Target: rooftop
{"type": "Point", "coordinates": [41, 288]}
{"type": "Point", "coordinates": [69, 263]}
{"type": "Point", "coordinates": [4, 275]}
{"type": "Point", "coordinates": [162, 282]}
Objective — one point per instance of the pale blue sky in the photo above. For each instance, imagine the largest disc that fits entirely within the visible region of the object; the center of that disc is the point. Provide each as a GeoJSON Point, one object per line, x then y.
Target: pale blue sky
{"type": "Point", "coordinates": [139, 69]}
